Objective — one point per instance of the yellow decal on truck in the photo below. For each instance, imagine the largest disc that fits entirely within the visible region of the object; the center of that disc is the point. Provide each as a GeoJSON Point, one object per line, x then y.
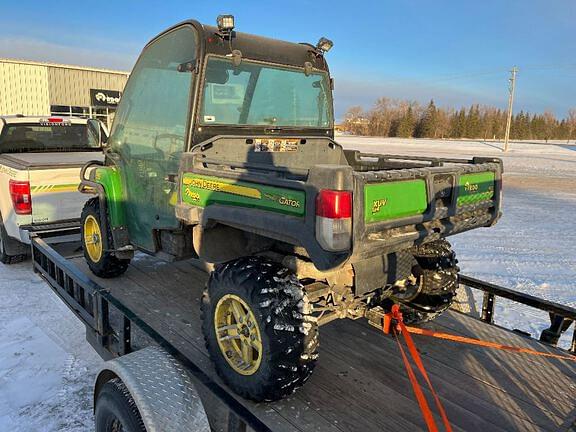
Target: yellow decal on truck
{"type": "Point", "coordinates": [70, 187]}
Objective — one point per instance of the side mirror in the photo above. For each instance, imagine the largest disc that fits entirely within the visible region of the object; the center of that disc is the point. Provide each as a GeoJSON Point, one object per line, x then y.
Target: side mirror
{"type": "Point", "coordinates": [95, 131]}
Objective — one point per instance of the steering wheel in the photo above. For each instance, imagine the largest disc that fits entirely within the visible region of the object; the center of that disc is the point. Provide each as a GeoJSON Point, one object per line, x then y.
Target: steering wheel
{"type": "Point", "coordinates": [174, 155]}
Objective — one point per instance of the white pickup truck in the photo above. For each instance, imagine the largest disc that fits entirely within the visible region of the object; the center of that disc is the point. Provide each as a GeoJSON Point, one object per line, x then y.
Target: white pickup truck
{"type": "Point", "coordinates": [40, 162]}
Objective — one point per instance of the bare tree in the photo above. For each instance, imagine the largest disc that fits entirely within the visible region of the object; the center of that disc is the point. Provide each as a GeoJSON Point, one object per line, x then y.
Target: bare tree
{"type": "Point", "coordinates": [571, 121]}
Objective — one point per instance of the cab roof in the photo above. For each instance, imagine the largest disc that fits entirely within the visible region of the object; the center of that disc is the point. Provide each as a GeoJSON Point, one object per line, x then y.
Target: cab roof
{"type": "Point", "coordinates": [255, 47]}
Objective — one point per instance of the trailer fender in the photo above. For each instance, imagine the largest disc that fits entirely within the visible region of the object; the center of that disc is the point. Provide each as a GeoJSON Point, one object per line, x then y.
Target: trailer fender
{"type": "Point", "coordinates": [164, 394]}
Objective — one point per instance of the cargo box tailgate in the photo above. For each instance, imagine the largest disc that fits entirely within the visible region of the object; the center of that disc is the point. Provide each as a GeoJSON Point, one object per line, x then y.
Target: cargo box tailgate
{"type": "Point", "coordinates": [397, 207]}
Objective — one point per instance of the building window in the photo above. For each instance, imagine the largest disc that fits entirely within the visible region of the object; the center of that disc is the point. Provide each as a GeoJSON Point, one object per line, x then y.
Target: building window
{"type": "Point", "coordinates": [105, 115]}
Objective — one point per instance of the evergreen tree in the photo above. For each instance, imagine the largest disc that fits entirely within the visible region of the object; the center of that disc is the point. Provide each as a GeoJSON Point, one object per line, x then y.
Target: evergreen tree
{"type": "Point", "coordinates": [428, 126]}
{"type": "Point", "coordinates": [473, 129]}
{"type": "Point", "coordinates": [406, 124]}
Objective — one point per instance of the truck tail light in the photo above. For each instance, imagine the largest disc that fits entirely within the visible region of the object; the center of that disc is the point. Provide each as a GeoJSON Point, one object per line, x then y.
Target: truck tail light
{"type": "Point", "coordinates": [21, 198]}
{"type": "Point", "coordinates": [334, 220]}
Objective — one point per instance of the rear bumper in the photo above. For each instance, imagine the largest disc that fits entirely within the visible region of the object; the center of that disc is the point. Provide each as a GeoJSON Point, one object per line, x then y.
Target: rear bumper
{"type": "Point", "coordinates": [56, 232]}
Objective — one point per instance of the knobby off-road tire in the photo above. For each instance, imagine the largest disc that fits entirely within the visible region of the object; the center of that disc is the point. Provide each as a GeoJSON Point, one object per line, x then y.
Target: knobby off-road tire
{"type": "Point", "coordinates": [437, 275]}
{"type": "Point", "coordinates": [116, 410]}
{"type": "Point", "coordinates": [288, 332]}
{"type": "Point", "coordinates": [5, 258]}
{"type": "Point", "coordinates": [101, 262]}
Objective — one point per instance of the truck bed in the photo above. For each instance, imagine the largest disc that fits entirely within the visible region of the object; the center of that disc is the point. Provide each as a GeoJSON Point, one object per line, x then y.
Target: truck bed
{"type": "Point", "coordinates": [360, 382]}
{"type": "Point", "coordinates": [49, 160]}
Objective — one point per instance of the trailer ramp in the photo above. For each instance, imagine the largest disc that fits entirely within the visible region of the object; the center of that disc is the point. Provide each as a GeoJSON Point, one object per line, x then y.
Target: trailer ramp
{"type": "Point", "coordinates": [359, 383]}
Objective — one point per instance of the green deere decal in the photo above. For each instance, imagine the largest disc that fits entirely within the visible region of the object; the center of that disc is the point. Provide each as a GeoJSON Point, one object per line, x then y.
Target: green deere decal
{"type": "Point", "coordinates": [393, 200]}
{"type": "Point", "coordinates": [202, 191]}
{"type": "Point", "coordinates": [475, 188]}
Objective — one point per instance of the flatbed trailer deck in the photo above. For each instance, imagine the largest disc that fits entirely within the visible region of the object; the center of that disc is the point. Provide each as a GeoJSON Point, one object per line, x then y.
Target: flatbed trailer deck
{"type": "Point", "coordinates": [356, 386]}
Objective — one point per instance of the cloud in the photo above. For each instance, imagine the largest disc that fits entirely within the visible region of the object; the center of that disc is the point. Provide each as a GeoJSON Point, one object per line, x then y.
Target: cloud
{"type": "Point", "coordinates": [38, 50]}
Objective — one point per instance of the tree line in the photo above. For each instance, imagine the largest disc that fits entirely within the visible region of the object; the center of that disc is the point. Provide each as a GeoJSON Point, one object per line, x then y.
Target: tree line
{"type": "Point", "coordinates": [400, 118]}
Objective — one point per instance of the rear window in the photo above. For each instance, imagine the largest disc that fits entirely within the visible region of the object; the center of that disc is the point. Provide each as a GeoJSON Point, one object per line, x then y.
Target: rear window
{"type": "Point", "coordinates": [36, 138]}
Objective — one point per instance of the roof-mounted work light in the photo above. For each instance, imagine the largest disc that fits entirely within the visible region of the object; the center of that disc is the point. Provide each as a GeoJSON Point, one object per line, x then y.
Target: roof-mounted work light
{"type": "Point", "coordinates": [324, 44]}
{"type": "Point", "coordinates": [225, 23]}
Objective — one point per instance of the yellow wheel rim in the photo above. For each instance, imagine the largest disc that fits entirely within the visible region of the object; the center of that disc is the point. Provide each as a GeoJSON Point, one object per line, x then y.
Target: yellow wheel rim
{"type": "Point", "coordinates": [238, 334]}
{"type": "Point", "coordinates": [93, 238]}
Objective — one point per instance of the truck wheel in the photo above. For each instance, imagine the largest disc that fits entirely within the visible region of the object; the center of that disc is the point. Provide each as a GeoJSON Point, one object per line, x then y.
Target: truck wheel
{"type": "Point", "coordinates": [101, 262]}
{"type": "Point", "coordinates": [258, 328]}
{"type": "Point", "coordinates": [5, 258]}
{"type": "Point", "coordinates": [436, 273]}
{"type": "Point", "coordinates": [116, 410]}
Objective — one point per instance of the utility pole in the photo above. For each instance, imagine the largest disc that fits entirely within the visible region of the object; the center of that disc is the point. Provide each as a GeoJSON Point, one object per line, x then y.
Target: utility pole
{"type": "Point", "coordinates": [511, 88]}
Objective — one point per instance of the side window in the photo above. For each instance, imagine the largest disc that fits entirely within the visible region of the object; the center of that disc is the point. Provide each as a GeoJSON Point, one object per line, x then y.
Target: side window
{"type": "Point", "coordinates": [151, 120]}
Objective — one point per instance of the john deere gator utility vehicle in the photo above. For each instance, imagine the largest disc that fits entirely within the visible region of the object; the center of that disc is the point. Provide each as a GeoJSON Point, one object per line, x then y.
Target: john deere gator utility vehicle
{"type": "Point", "coordinates": [223, 150]}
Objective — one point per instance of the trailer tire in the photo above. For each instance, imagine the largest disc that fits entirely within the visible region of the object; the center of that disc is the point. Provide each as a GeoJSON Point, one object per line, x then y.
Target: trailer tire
{"type": "Point", "coordinates": [116, 410]}
{"type": "Point", "coordinates": [288, 333]}
{"type": "Point", "coordinates": [437, 275]}
{"type": "Point", "coordinates": [101, 262]}
{"type": "Point", "coordinates": [6, 258]}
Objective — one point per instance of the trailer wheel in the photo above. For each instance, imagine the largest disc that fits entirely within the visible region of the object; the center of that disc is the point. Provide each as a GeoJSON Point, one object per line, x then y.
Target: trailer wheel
{"type": "Point", "coordinates": [6, 258]}
{"type": "Point", "coordinates": [116, 410]}
{"type": "Point", "coordinates": [258, 328]}
{"type": "Point", "coordinates": [437, 276]}
{"type": "Point", "coordinates": [101, 262]}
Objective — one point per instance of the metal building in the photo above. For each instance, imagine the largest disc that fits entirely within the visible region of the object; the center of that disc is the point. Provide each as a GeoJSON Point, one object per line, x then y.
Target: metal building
{"type": "Point", "coordinates": [33, 88]}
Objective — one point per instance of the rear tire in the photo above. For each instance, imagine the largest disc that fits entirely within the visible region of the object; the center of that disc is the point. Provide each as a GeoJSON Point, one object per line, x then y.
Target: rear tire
{"type": "Point", "coordinates": [437, 276]}
{"type": "Point", "coordinates": [101, 262]}
{"type": "Point", "coordinates": [5, 258]}
{"type": "Point", "coordinates": [116, 410]}
{"type": "Point", "coordinates": [288, 334]}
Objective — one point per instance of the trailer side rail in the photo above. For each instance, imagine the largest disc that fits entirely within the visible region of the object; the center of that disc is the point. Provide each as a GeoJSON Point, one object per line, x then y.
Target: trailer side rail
{"type": "Point", "coordinates": [91, 303]}
{"type": "Point", "coordinates": [561, 316]}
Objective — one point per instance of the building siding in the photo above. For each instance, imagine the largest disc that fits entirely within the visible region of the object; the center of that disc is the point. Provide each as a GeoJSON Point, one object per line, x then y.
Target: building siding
{"type": "Point", "coordinates": [24, 89]}
{"type": "Point", "coordinates": [72, 86]}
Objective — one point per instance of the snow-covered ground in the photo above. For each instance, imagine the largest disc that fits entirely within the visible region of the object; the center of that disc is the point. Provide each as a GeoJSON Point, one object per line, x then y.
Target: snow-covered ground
{"type": "Point", "coordinates": [47, 368]}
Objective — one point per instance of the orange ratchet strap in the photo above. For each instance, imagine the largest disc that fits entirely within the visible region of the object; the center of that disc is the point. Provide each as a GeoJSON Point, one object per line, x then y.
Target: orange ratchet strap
{"type": "Point", "coordinates": [472, 341]}
{"type": "Point", "coordinates": [396, 315]}
{"type": "Point", "coordinates": [393, 323]}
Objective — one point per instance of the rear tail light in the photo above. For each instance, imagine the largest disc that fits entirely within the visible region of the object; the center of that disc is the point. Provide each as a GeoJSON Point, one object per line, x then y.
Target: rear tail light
{"type": "Point", "coordinates": [334, 220]}
{"type": "Point", "coordinates": [21, 199]}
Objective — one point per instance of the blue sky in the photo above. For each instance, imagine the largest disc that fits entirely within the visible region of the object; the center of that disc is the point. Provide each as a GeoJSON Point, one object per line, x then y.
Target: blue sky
{"type": "Point", "coordinates": [456, 52]}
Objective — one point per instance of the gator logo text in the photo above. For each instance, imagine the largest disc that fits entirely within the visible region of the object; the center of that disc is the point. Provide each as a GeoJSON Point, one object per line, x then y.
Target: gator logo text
{"type": "Point", "coordinates": [282, 200]}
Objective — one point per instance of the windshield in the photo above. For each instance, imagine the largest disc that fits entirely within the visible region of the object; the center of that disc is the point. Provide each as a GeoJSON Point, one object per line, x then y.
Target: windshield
{"type": "Point", "coordinates": [257, 94]}
{"type": "Point", "coordinates": [34, 137]}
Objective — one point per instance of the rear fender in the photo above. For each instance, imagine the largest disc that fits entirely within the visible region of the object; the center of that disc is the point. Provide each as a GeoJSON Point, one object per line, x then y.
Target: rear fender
{"type": "Point", "coordinates": [164, 393]}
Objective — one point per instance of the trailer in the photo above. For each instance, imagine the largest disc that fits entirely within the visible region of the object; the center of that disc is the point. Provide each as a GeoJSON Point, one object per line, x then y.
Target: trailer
{"type": "Point", "coordinates": [146, 325]}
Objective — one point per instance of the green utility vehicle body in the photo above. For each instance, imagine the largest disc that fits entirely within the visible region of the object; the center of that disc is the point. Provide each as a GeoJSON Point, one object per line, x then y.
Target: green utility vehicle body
{"type": "Point", "coordinates": [223, 149]}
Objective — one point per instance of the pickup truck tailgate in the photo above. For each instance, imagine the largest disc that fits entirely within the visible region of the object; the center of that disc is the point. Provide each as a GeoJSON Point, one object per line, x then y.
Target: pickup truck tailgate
{"type": "Point", "coordinates": [55, 195]}
{"type": "Point", "coordinates": [54, 179]}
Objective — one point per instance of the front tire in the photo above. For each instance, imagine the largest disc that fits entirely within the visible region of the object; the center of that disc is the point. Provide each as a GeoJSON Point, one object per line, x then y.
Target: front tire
{"type": "Point", "coordinates": [258, 328]}
{"type": "Point", "coordinates": [101, 262]}
{"type": "Point", "coordinates": [116, 410]}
